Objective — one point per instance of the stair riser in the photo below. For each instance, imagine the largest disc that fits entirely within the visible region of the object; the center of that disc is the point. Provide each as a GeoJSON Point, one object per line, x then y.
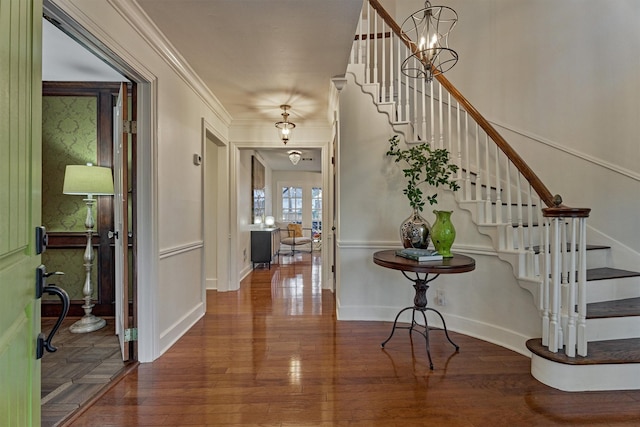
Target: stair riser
{"type": "Point", "coordinates": [598, 258]}
{"type": "Point", "coordinates": [613, 328]}
{"type": "Point", "coordinates": [613, 289]}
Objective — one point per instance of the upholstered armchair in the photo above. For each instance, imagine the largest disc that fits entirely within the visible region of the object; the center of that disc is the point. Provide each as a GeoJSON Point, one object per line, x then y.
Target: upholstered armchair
{"type": "Point", "coordinates": [293, 235]}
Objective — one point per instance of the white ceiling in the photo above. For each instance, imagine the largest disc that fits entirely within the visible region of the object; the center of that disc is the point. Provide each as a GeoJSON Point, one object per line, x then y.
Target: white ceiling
{"type": "Point", "coordinates": [254, 55]}
{"type": "Point", "coordinates": [63, 59]}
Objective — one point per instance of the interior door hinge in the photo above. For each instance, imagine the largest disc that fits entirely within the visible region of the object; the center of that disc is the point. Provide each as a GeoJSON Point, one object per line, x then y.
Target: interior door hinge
{"type": "Point", "coordinates": [130, 126]}
{"type": "Point", "coordinates": [131, 334]}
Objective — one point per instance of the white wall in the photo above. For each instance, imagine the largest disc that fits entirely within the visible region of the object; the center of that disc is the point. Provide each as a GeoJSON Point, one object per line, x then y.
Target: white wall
{"type": "Point", "coordinates": [560, 82]}
{"type": "Point", "coordinates": [176, 298]}
{"type": "Point", "coordinates": [487, 303]}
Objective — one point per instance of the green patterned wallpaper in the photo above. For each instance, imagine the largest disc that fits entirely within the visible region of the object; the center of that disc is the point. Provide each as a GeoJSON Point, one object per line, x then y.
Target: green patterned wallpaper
{"type": "Point", "coordinates": [71, 262]}
{"type": "Point", "coordinates": [69, 137]}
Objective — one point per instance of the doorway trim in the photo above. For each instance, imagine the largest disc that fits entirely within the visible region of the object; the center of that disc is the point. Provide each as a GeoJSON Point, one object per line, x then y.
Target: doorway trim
{"type": "Point", "coordinates": [215, 196]}
{"type": "Point", "coordinates": [83, 30]}
{"type": "Point", "coordinates": [327, 190]}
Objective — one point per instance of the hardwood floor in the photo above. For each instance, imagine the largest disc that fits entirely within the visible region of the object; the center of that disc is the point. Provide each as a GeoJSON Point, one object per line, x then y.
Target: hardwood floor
{"type": "Point", "coordinates": [273, 354]}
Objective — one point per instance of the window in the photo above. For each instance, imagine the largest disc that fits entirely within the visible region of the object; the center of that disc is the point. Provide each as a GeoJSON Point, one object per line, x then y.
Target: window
{"type": "Point", "coordinates": [292, 204]}
{"type": "Point", "coordinates": [316, 209]}
{"type": "Point", "coordinates": [258, 203]}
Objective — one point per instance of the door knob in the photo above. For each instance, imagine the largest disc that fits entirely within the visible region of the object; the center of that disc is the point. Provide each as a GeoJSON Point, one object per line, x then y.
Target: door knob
{"type": "Point", "coordinates": [41, 279]}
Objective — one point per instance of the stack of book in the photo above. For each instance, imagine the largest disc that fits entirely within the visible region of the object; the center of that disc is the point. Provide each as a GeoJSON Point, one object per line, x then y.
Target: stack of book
{"type": "Point", "coordinates": [419, 254]}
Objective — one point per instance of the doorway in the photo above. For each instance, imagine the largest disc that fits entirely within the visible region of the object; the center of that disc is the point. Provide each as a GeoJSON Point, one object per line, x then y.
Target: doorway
{"type": "Point", "coordinates": [215, 218]}
{"type": "Point", "coordinates": [316, 160]}
{"type": "Point", "coordinates": [102, 345]}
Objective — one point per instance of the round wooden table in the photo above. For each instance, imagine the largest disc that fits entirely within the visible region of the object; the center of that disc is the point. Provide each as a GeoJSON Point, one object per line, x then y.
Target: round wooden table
{"type": "Point", "coordinates": [454, 265]}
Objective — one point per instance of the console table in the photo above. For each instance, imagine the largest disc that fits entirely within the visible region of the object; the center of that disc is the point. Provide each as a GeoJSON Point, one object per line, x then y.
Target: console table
{"type": "Point", "coordinates": [264, 246]}
{"type": "Point", "coordinates": [457, 264]}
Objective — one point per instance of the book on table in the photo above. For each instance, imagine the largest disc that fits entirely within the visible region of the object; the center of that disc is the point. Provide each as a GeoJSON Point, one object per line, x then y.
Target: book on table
{"type": "Point", "coordinates": [419, 254]}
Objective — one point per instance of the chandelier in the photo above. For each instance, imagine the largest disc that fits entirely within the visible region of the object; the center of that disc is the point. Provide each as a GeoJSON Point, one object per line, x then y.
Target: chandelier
{"type": "Point", "coordinates": [294, 156]}
{"type": "Point", "coordinates": [427, 32]}
{"type": "Point", "coordinates": [285, 126]}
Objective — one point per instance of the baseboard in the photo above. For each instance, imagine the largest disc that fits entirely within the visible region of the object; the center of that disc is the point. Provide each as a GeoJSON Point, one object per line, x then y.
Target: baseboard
{"type": "Point", "coordinates": [483, 331]}
{"type": "Point", "coordinates": [179, 328]}
{"type": "Point", "coordinates": [211, 284]}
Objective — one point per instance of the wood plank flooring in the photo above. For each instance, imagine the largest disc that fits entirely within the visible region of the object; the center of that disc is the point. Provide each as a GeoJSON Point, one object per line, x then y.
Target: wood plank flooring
{"type": "Point", "coordinates": [273, 354]}
{"type": "Point", "coordinates": [79, 369]}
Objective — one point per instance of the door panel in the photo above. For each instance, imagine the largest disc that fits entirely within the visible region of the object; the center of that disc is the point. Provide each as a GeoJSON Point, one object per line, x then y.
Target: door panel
{"type": "Point", "coordinates": [20, 182]}
{"type": "Point", "coordinates": [121, 214]}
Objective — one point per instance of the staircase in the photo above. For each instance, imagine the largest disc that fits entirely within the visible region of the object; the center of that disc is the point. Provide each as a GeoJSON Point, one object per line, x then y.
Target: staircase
{"type": "Point", "coordinates": [590, 311]}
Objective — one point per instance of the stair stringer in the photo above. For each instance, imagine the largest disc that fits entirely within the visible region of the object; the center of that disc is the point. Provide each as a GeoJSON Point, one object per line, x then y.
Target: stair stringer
{"type": "Point", "coordinates": [499, 234]}
{"type": "Point", "coordinates": [404, 128]}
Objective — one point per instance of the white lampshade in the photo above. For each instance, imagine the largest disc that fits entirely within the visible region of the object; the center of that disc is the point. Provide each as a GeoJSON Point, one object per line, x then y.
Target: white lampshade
{"type": "Point", "coordinates": [269, 221]}
{"type": "Point", "coordinates": [88, 180]}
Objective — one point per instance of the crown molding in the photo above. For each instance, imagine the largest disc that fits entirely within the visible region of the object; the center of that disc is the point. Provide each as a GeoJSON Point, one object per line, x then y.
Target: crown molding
{"type": "Point", "coordinates": [133, 14]}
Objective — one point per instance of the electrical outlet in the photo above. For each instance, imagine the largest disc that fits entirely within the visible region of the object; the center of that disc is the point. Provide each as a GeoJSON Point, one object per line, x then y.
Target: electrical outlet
{"type": "Point", "coordinates": [440, 299]}
{"type": "Point", "coordinates": [244, 254]}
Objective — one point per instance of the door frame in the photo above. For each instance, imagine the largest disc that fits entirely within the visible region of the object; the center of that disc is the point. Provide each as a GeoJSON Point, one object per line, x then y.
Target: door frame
{"type": "Point", "coordinates": [103, 92]}
{"type": "Point", "coordinates": [215, 196]}
{"type": "Point", "coordinates": [147, 256]}
{"type": "Point", "coordinates": [327, 190]}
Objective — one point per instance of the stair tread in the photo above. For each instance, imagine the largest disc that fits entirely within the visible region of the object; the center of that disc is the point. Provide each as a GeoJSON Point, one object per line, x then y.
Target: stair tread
{"type": "Point", "coordinates": [598, 352]}
{"type": "Point", "coordinates": [616, 308]}
{"type": "Point", "coordinates": [604, 273]}
{"type": "Point", "coordinates": [536, 248]}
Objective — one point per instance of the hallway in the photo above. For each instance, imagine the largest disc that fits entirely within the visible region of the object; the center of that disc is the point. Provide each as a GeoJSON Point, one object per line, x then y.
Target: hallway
{"type": "Point", "coordinates": [273, 354]}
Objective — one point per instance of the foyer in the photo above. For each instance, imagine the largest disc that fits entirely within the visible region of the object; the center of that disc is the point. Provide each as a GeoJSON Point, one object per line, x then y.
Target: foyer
{"type": "Point", "coordinates": [274, 354]}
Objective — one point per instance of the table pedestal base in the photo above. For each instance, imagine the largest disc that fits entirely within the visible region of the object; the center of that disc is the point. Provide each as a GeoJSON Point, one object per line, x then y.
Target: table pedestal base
{"type": "Point", "coordinates": [420, 305]}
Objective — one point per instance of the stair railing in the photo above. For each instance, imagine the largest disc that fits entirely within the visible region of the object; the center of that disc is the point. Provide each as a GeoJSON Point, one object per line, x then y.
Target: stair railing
{"type": "Point", "coordinates": [546, 246]}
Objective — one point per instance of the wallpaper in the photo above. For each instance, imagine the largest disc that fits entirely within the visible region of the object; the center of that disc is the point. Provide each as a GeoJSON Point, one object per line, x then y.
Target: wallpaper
{"type": "Point", "coordinates": [72, 263]}
{"type": "Point", "coordinates": [69, 137]}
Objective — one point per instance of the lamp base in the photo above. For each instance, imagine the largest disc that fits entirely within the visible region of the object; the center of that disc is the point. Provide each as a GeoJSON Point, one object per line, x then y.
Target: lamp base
{"type": "Point", "coordinates": [88, 323]}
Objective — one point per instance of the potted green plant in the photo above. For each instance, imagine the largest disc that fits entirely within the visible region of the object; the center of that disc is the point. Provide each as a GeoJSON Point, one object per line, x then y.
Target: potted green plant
{"type": "Point", "coordinates": [425, 165]}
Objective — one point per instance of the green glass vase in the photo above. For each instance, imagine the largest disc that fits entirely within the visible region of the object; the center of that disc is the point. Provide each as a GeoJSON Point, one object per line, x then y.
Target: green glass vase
{"type": "Point", "coordinates": [443, 233]}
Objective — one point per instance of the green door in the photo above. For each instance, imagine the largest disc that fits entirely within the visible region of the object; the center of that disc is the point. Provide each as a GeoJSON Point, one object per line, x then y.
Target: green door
{"type": "Point", "coordinates": [20, 182]}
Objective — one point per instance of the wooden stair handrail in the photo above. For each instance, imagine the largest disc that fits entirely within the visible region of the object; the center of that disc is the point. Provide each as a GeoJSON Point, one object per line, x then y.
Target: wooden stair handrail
{"type": "Point", "coordinates": [545, 195]}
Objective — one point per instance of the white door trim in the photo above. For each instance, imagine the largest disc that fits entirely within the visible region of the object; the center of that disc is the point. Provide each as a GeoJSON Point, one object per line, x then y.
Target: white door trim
{"type": "Point", "coordinates": [73, 22]}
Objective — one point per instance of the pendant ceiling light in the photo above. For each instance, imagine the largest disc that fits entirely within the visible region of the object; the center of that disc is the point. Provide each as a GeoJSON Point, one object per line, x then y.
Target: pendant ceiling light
{"type": "Point", "coordinates": [294, 156]}
{"type": "Point", "coordinates": [427, 31]}
{"type": "Point", "coordinates": [285, 126]}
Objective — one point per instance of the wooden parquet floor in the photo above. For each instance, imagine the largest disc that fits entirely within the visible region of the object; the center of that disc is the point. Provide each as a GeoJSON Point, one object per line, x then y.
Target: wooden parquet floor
{"type": "Point", "coordinates": [79, 369]}
{"type": "Point", "coordinates": [273, 354]}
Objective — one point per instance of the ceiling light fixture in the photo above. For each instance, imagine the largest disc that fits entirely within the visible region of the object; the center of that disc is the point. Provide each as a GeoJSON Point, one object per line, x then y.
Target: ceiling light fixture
{"type": "Point", "coordinates": [285, 126]}
{"type": "Point", "coordinates": [427, 31]}
{"type": "Point", "coordinates": [294, 156]}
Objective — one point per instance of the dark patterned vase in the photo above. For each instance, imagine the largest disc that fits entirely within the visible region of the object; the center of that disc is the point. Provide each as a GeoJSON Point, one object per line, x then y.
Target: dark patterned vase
{"type": "Point", "coordinates": [414, 231]}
